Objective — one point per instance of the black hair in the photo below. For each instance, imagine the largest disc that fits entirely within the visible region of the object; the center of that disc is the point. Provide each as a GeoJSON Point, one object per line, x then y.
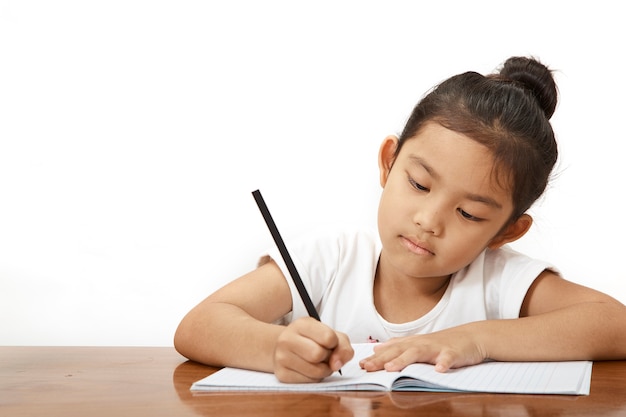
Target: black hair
{"type": "Point", "coordinates": [508, 112]}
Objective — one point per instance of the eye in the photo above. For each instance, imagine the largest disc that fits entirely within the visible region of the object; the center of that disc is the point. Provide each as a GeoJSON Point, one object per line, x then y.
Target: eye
{"type": "Point", "coordinates": [417, 185]}
{"type": "Point", "coordinates": [468, 216]}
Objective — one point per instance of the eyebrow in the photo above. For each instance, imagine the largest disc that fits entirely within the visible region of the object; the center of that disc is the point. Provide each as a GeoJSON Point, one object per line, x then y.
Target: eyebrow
{"type": "Point", "coordinates": [416, 160]}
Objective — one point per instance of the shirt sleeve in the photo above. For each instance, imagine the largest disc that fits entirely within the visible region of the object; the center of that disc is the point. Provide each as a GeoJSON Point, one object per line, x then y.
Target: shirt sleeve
{"type": "Point", "coordinates": [315, 256]}
{"type": "Point", "coordinates": [512, 274]}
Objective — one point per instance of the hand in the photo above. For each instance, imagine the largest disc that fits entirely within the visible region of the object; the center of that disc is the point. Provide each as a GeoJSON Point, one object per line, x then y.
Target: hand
{"type": "Point", "coordinates": [309, 351]}
{"type": "Point", "coordinates": [451, 348]}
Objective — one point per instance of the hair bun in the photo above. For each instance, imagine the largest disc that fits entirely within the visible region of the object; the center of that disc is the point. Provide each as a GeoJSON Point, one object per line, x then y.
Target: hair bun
{"type": "Point", "coordinates": [536, 77]}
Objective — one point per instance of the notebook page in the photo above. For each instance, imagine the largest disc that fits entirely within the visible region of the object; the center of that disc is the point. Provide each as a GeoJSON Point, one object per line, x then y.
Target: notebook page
{"type": "Point", "coordinates": [571, 378]}
{"type": "Point", "coordinates": [353, 379]}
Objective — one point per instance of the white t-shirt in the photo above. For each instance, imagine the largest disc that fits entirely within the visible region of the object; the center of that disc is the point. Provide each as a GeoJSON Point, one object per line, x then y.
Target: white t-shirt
{"type": "Point", "coordinates": [338, 270]}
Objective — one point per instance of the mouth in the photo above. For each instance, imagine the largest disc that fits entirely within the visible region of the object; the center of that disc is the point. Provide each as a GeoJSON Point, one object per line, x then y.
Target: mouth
{"type": "Point", "coordinates": [416, 247]}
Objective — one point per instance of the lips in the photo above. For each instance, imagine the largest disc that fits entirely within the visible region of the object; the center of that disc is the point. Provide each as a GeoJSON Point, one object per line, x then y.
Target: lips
{"type": "Point", "coordinates": [417, 247]}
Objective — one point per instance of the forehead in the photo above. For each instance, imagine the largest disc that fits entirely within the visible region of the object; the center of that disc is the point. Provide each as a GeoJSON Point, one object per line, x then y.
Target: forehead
{"type": "Point", "coordinates": [456, 160]}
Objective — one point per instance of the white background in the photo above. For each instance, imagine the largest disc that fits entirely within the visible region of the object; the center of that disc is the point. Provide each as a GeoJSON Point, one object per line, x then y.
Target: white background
{"type": "Point", "coordinates": [132, 133]}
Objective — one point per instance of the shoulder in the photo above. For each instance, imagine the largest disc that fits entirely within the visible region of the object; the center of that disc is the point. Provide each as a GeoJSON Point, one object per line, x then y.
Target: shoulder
{"type": "Point", "coordinates": [336, 239]}
{"type": "Point", "coordinates": [331, 262]}
{"type": "Point", "coordinates": [507, 261]}
{"type": "Point", "coordinates": [505, 276]}
{"type": "Point", "coordinates": [330, 248]}
{"type": "Point", "coordinates": [504, 263]}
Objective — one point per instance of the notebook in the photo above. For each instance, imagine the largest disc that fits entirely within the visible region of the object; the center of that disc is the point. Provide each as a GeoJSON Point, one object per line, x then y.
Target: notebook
{"type": "Point", "coordinates": [566, 378]}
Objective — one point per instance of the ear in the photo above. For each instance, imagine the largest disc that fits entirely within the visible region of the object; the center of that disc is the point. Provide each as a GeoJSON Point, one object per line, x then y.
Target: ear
{"type": "Point", "coordinates": [386, 157]}
{"type": "Point", "coordinates": [512, 232]}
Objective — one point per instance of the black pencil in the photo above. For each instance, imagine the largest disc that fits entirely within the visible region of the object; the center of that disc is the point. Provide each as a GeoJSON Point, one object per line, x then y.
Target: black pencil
{"type": "Point", "coordinates": [295, 276]}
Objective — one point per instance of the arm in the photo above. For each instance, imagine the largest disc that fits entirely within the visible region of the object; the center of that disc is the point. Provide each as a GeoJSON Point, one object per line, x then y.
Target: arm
{"type": "Point", "coordinates": [233, 327]}
{"type": "Point", "coordinates": [563, 321]}
{"type": "Point", "coordinates": [559, 320]}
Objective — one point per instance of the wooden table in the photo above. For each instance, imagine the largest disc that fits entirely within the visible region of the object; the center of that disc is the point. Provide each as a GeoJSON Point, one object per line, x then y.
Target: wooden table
{"type": "Point", "coordinates": [155, 381]}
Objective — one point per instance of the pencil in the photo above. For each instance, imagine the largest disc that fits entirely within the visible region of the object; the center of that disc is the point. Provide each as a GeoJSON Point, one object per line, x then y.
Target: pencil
{"type": "Point", "coordinates": [295, 276]}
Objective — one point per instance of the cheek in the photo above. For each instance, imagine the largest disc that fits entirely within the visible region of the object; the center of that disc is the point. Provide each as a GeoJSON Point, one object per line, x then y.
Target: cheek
{"type": "Point", "coordinates": [470, 245]}
{"type": "Point", "coordinates": [388, 211]}
{"type": "Point", "coordinates": [383, 215]}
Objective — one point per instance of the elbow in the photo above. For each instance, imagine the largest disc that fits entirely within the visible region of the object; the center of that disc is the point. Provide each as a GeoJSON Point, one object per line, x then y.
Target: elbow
{"type": "Point", "coordinates": [190, 342]}
{"type": "Point", "coordinates": [182, 340]}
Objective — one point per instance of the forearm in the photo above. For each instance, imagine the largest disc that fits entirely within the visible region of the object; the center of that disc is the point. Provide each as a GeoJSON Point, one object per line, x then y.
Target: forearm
{"type": "Point", "coordinates": [222, 334]}
{"type": "Point", "coordinates": [586, 331]}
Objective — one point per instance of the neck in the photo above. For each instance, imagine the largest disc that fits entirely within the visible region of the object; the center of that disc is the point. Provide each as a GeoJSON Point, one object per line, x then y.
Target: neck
{"type": "Point", "coordinates": [400, 298]}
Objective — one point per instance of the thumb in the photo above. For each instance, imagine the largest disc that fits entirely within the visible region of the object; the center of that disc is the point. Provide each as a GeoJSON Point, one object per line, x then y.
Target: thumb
{"type": "Point", "coordinates": [444, 362]}
{"type": "Point", "coordinates": [342, 353]}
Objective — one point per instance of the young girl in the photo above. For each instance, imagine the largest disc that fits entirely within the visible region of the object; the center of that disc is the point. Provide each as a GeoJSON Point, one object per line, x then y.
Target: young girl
{"type": "Point", "coordinates": [437, 284]}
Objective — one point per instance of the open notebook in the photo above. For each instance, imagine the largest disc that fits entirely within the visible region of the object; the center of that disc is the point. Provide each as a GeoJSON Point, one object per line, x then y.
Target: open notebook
{"type": "Point", "coordinates": [569, 378]}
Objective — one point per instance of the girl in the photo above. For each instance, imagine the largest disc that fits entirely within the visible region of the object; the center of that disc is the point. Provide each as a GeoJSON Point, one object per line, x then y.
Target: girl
{"type": "Point", "coordinates": [438, 284]}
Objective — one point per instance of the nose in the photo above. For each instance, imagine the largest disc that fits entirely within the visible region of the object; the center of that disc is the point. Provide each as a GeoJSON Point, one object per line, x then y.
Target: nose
{"type": "Point", "coordinates": [428, 216]}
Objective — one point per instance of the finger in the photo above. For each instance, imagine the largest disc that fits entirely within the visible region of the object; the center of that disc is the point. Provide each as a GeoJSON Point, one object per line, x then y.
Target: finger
{"type": "Point", "coordinates": [298, 357]}
{"type": "Point", "coordinates": [444, 362]}
{"type": "Point", "coordinates": [412, 355]}
{"type": "Point", "coordinates": [342, 353]}
{"type": "Point", "coordinates": [309, 339]}
{"type": "Point", "coordinates": [372, 363]}
{"type": "Point", "coordinates": [458, 358]}
{"type": "Point", "coordinates": [318, 332]}
{"type": "Point", "coordinates": [290, 367]}
{"type": "Point", "coordinates": [399, 363]}
{"type": "Point", "coordinates": [377, 361]}
{"type": "Point", "coordinates": [304, 349]}
{"type": "Point", "coordinates": [383, 353]}
{"type": "Point", "coordinates": [306, 374]}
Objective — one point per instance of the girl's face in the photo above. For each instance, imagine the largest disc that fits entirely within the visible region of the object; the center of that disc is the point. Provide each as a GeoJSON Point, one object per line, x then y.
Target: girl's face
{"type": "Point", "coordinates": [441, 205]}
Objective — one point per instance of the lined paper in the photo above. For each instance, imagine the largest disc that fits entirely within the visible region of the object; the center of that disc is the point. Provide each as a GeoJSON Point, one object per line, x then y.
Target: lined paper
{"type": "Point", "coordinates": [569, 378]}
